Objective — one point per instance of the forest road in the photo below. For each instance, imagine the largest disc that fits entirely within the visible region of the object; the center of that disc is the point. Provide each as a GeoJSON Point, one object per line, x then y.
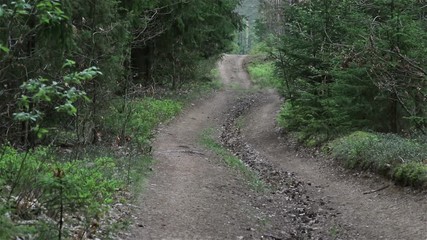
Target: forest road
{"type": "Point", "coordinates": [192, 194]}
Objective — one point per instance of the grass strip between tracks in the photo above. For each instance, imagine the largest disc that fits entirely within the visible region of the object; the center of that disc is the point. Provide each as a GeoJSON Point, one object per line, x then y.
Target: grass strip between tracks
{"type": "Point", "coordinates": [232, 161]}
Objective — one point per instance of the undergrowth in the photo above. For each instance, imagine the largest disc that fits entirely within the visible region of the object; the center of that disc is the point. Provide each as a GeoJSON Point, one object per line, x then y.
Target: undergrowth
{"type": "Point", "coordinates": [312, 134]}
{"type": "Point", "coordinates": [263, 74]}
{"type": "Point", "coordinates": [232, 161]}
{"type": "Point", "coordinates": [63, 193]}
{"type": "Point", "coordinates": [65, 190]}
{"type": "Point", "coordinates": [403, 160]}
{"type": "Point", "coordinates": [135, 119]}
{"type": "Point", "coordinates": [43, 195]}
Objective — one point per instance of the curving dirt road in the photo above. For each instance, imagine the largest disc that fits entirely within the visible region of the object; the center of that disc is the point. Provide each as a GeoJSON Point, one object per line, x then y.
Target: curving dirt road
{"type": "Point", "coordinates": [391, 213]}
{"type": "Point", "coordinates": [192, 194]}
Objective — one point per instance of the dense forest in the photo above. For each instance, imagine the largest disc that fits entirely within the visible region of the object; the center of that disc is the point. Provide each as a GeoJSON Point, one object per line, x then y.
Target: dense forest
{"type": "Point", "coordinates": [79, 91]}
{"type": "Point", "coordinates": [354, 77]}
{"type": "Point", "coordinates": [83, 85]}
{"type": "Point", "coordinates": [55, 54]}
{"type": "Point", "coordinates": [249, 10]}
{"type": "Point", "coordinates": [354, 65]}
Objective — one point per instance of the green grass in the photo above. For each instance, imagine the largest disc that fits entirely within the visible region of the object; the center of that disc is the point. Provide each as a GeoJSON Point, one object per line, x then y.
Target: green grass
{"type": "Point", "coordinates": [232, 161]}
{"type": "Point", "coordinates": [401, 159]}
{"type": "Point", "coordinates": [138, 118]}
{"type": "Point", "coordinates": [263, 74]}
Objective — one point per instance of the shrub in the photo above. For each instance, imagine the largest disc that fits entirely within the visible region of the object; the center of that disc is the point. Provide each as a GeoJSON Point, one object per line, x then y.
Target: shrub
{"type": "Point", "coordinates": [355, 149]}
{"type": "Point", "coordinates": [138, 118]}
{"type": "Point", "coordinates": [412, 174]}
{"type": "Point", "coordinates": [45, 189]}
{"type": "Point", "coordinates": [291, 117]}
{"type": "Point", "coordinates": [260, 48]}
{"type": "Point", "coordinates": [263, 74]}
{"type": "Point", "coordinates": [87, 185]}
{"type": "Point", "coordinates": [388, 154]}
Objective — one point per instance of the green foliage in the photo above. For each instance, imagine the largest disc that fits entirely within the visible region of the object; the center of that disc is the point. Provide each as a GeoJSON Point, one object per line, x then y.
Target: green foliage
{"type": "Point", "coordinates": [260, 49]}
{"type": "Point", "coordinates": [412, 174]}
{"type": "Point", "coordinates": [3, 48]}
{"type": "Point", "coordinates": [393, 156]}
{"type": "Point", "coordinates": [355, 149]}
{"type": "Point", "coordinates": [9, 230]}
{"type": "Point", "coordinates": [201, 30]}
{"type": "Point", "coordinates": [41, 91]}
{"type": "Point", "coordinates": [352, 66]}
{"type": "Point", "coordinates": [39, 96]}
{"type": "Point", "coordinates": [207, 78]}
{"type": "Point", "coordinates": [138, 118]}
{"type": "Point", "coordinates": [349, 65]}
{"type": "Point", "coordinates": [47, 186]}
{"type": "Point", "coordinates": [294, 115]}
{"type": "Point", "coordinates": [87, 185]}
{"type": "Point", "coordinates": [263, 74]}
{"type": "Point", "coordinates": [135, 44]}
{"type": "Point", "coordinates": [12, 162]}
{"type": "Point", "coordinates": [50, 12]}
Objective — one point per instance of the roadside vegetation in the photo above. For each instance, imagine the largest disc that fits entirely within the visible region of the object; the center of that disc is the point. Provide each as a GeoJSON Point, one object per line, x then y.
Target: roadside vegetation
{"type": "Point", "coordinates": [83, 85]}
{"type": "Point", "coordinates": [353, 76]}
{"type": "Point", "coordinates": [68, 187]}
{"type": "Point", "coordinates": [401, 159]}
{"type": "Point", "coordinates": [263, 74]}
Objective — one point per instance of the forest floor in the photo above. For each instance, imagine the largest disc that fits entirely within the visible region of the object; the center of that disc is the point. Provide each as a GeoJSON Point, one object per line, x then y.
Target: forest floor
{"type": "Point", "coordinates": [193, 194]}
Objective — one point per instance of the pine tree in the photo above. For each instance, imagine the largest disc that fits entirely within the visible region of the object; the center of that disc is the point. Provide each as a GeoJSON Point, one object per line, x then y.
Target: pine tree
{"type": "Point", "coordinates": [350, 65]}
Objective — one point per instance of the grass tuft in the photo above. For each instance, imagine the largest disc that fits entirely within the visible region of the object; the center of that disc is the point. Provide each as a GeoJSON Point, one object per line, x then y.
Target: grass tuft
{"type": "Point", "coordinates": [232, 161]}
{"type": "Point", "coordinates": [263, 74]}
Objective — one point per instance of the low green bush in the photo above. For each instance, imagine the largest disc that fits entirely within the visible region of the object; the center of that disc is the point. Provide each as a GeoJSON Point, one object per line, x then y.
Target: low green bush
{"type": "Point", "coordinates": [312, 135]}
{"type": "Point", "coordinates": [413, 174]}
{"type": "Point", "coordinates": [36, 186]}
{"type": "Point", "coordinates": [138, 118]}
{"type": "Point", "coordinates": [263, 74]}
{"type": "Point", "coordinates": [389, 154]}
{"type": "Point", "coordinates": [261, 48]}
{"type": "Point", "coordinates": [8, 229]}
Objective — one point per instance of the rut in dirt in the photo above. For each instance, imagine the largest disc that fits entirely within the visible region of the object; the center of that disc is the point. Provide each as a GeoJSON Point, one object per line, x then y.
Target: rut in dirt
{"type": "Point", "coordinates": [192, 194]}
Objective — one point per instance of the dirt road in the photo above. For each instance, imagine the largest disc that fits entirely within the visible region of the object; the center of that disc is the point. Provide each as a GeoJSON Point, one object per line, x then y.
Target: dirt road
{"type": "Point", "coordinates": [192, 194]}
